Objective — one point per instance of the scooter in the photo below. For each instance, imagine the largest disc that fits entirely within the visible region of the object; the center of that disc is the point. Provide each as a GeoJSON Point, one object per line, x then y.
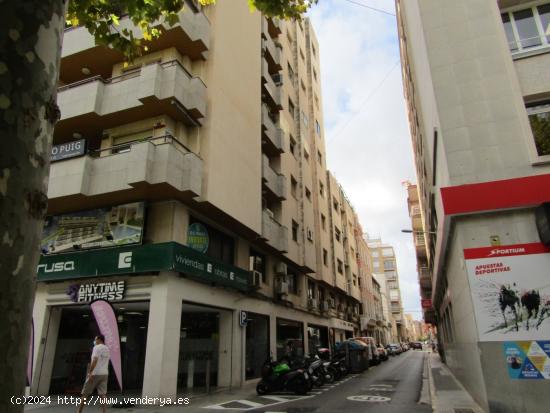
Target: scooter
{"type": "Point", "coordinates": [277, 376]}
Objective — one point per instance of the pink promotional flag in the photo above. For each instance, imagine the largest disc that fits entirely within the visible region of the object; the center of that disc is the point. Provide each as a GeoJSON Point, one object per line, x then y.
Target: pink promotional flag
{"type": "Point", "coordinates": [107, 323]}
{"type": "Point", "coordinates": [31, 354]}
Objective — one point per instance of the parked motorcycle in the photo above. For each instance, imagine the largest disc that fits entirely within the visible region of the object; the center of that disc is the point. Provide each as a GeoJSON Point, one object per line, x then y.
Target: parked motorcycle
{"type": "Point", "coordinates": [278, 376]}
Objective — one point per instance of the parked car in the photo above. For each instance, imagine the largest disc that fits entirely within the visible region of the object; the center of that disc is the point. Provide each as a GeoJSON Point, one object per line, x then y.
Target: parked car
{"type": "Point", "coordinates": [382, 353]}
{"type": "Point", "coordinates": [416, 345]}
{"type": "Point", "coordinates": [404, 346]}
{"type": "Point", "coordinates": [395, 349]}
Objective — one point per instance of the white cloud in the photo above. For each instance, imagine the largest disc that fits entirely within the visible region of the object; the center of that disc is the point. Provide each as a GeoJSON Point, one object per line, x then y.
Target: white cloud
{"type": "Point", "coordinates": [367, 136]}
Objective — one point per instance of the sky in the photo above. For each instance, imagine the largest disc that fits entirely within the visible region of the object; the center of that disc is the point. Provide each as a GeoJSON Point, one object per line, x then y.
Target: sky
{"type": "Point", "coordinates": [367, 136]}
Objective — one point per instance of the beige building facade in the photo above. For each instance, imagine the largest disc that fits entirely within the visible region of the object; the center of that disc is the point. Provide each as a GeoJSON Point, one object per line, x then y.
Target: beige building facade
{"type": "Point", "coordinates": [190, 189]}
{"type": "Point", "coordinates": [476, 83]}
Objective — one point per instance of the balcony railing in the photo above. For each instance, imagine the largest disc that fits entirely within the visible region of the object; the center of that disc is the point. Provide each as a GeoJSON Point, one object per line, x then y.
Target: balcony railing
{"type": "Point", "coordinates": [274, 181]}
{"type": "Point", "coordinates": [162, 161]}
{"type": "Point", "coordinates": [273, 232]}
{"type": "Point", "coordinates": [273, 135]}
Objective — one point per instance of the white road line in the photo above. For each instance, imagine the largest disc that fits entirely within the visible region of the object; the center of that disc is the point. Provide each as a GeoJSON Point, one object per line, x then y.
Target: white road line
{"type": "Point", "coordinates": [249, 403]}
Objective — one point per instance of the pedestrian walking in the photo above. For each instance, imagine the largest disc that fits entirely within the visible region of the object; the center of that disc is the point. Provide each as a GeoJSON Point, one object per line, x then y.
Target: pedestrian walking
{"type": "Point", "coordinates": [98, 374]}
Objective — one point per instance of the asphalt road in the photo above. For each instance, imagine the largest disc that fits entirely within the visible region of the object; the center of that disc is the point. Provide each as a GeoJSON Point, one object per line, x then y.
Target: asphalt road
{"type": "Point", "coordinates": [392, 387]}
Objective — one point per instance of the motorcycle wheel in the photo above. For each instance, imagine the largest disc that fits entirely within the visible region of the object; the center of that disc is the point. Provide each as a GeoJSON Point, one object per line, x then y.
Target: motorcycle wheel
{"type": "Point", "coordinates": [329, 377]}
{"type": "Point", "coordinates": [262, 388]}
{"type": "Point", "coordinates": [319, 381]}
{"type": "Point", "coordinates": [300, 386]}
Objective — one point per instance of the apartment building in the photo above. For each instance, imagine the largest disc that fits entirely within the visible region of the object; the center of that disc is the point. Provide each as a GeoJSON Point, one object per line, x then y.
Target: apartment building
{"type": "Point", "coordinates": [189, 188]}
{"type": "Point", "coordinates": [384, 262]}
{"type": "Point", "coordinates": [423, 261]}
{"type": "Point", "coordinates": [389, 330]}
{"type": "Point", "coordinates": [476, 83]}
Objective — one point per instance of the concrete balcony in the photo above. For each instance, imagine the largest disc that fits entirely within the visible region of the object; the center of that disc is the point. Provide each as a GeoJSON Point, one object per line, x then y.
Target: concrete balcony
{"type": "Point", "coordinates": [271, 27]}
{"type": "Point", "coordinates": [95, 104]}
{"type": "Point", "coordinates": [272, 54]}
{"type": "Point", "coordinates": [420, 245]}
{"type": "Point", "coordinates": [425, 277]}
{"type": "Point", "coordinates": [191, 37]}
{"type": "Point", "coordinates": [273, 137]}
{"type": "Point", "coordinates": [274, 182]}
{"type": "Point", "coordinates": [274, 233]}
{"type": "Point", "coordinates": [271, 93]}
{"type": "Point", "coordinates": [156, 168]}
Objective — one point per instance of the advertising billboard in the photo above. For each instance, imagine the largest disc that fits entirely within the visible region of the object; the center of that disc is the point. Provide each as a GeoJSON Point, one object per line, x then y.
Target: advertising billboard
{"type": "Point", "coordinates": [96, 228]}
{"type": "Point", "coordinates": [510, 288]}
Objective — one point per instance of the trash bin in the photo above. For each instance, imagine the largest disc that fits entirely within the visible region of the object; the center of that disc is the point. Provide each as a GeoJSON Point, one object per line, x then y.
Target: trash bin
{"type": "Point", "coordinates": [357, 358]}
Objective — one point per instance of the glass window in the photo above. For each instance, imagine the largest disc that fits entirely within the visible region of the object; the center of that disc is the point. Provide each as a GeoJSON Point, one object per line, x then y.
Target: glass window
{"type": "Point", "coordinates": [292, 283]}
{"type": "Point", "coordinates": [389, 265]}
{"type": "Point", "coordinates": [293, 186]}
{"type": "Point", "coordinates": [294, 231]}
{"type": "Point", "coordinates": [527, 28]}
{"type": "Point", "coordinates": [337, 234]}
{"type": "Point", "coordinates": [509, 32]}
{"type": "Point", "coordinates": [539, 118]}
{"type": "Point", "coordinates": [323, 222]}
{"type": "Point", "coordinates": [292, 146]}
{"type": "Point", "coordinates": [308, 194]}
{"type": "Point", "coordinates": [544, 13]}
{"type": "Point", "coordinates": [325, 257]}
{"type": "Point", "coordinates": [317, 128]}
{"type": "Point", "coordinates": [340, 266]}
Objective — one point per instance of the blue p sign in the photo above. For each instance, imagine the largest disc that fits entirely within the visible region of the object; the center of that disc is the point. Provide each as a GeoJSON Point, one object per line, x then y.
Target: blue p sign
{"type": "Point", "coordinates": [243, 318]}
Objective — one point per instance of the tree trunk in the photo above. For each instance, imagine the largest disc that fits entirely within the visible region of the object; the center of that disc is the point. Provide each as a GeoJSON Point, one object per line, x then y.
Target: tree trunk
{"type": "Point", "coordinates": [30, 49]}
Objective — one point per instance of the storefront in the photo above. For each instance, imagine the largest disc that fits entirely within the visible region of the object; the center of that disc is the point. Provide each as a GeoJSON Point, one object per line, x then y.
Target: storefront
{"type": "Point", "coordinates": [340, 330]}
{"type": "Point", "coordinates": [290, 338]}
{"type": "Point", "coordinates": [317, 337]}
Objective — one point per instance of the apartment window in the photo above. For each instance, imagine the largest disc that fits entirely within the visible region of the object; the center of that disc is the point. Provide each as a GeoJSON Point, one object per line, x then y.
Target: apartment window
{"type": "Point", "coordinates": [306, 155]}
{"type": "Point", "coordinates": [313, 51]}
{"type": "Point", "coordinates": [317, 128]}
{"type": "Point", "coordinates": [292, 146]}
{"type": "Point", "coordinates": [290, 73]}
{"type": "Point", "coordinates": [310, 289]}
{"type": "Point", "coordinates": [354, 279]}
{"type": "Point", "coordinates": [528, 28]}
{"type": "Point", "coordinates": [302, 55]}
{"type": "Point", "coordinates": [294, 231]}
{"type": "Point", "coordinates": [305, 119]}
{"type": "Point", "coordinates": [320, 157]}
{"type": "Point", "coordinates": [257, 263]}
{"type": "Point", "coordinates": [335, 204]}
{"type": "Point", "coordinates": [539, 118]}
{"type": "Point", "coordinates": [387, 252]}
{"type": "Point", "coordinates": [291, 107]}
{"type": "Point", "coordinates": [323, 222]}
{"type": "Point", "coordinates": [376, 264]}
{"type": "Point", "coordinates": [389, 265]}
{"type": "Point", "coordinates": [325, 257]}
{"type": "Point", "coordinates": [340, 266]}
{"type": "Point", "coordinates": [292, 278]}
{"type": "Point", "coordinates": [321, 189]}
{"type": "Point", "coordinates": [308, 194]}
{"type": "Point", "coordinates": [337, 234]}
{"type": "Point", "coordinates": [316, 102]}
{"type": "Point", "coordinates": [293, 186]}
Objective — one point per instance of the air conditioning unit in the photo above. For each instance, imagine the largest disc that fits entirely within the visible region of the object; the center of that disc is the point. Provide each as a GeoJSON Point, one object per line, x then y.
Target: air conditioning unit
{"type": "Point", "coordinates": [282, 287]}
{"type": "Point", "coordinates": [325, 306]}
{"type": "Point", "coordinates": [309, 234]}
{"type": "Point", "coordinates": [312, 303]}
{"type": "Point", "coordinates": [280, 268]}
{"type": "Point", "coordinates": [256, 279]}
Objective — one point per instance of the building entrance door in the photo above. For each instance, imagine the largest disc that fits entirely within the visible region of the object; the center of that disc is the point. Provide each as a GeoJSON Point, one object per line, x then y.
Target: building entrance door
{"type": "Point", "coordinates": [257, 344]}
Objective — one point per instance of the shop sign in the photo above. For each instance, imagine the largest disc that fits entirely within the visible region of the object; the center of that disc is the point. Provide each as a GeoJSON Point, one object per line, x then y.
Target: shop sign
{"type": "Point", "coordinates": [197, 237]}
{"type": "Point", "coordinates": [168, 256]}
{"type": "Point", "coordinates": [68, 150]}
{"type": "Point", "coordinates": [110, 291]}
{"type": "Point", "coordinates": [97, 228]}
{"type": "Point", "coordinates": [528, 360]}
{"type": "Point", "coordinates": [510, 291]}
{"type": "Point", "coordinates": [341, 324]}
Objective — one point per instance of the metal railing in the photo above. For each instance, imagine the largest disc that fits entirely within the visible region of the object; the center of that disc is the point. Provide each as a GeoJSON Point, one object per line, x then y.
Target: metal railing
{"type": "Point", "coordinates": [127, 147]}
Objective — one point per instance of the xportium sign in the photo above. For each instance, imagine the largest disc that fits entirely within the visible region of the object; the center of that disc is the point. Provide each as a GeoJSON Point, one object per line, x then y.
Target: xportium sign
{"type": "Point", "coordinates": [168, 256]}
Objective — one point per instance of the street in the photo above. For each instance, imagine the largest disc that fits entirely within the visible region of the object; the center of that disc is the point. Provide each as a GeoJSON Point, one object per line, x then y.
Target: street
{"type": "Point", "coordinates": [394, 386]}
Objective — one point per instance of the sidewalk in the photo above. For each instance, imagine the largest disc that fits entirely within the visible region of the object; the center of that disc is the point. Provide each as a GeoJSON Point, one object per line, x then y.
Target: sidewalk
{"type": "Point", "coordinates": [446, 393]}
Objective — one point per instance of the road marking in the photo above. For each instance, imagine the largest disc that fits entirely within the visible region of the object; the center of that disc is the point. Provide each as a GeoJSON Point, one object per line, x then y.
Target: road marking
{"type": "Point", "coordinates": [369, 398]}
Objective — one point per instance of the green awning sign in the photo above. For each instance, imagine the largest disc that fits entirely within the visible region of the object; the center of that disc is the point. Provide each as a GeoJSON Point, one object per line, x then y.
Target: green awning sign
{"type": "Point", "coordinates": [168, 256]}
{"type": "Point", "coordinates": [197, 237]}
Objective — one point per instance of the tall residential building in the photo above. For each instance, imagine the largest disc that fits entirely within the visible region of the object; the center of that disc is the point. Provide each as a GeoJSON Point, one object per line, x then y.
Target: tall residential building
{"type": "Point", "coordinates": [384, 262]}
{"type": "Point", "coordinates": [423, 259]}
{"type": "Point", "coordinates": [389, 333]}
{"type": "Point", "coordinates": [190, 190]}
{"type": "Point", "coordinates": [476, 82]}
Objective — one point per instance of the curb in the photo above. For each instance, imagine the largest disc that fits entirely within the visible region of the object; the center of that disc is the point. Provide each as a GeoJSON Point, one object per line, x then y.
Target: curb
{"type": "Point", "coordinates": [426, 391]}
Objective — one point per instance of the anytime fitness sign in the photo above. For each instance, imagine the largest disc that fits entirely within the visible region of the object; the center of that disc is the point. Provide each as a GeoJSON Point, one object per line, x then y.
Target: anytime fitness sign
{"type": "Point", "coordinates": [110, 291]}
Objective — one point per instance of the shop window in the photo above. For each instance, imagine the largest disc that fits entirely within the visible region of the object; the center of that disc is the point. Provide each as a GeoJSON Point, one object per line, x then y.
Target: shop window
{"type": "Point", "coordinates": [220, 245]}
{"type": "Point", "coordinates": [289, 339]}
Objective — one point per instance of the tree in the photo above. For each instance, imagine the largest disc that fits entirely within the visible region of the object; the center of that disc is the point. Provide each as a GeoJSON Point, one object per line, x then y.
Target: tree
{"type": "Point", "coordinates": [31, 34]}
